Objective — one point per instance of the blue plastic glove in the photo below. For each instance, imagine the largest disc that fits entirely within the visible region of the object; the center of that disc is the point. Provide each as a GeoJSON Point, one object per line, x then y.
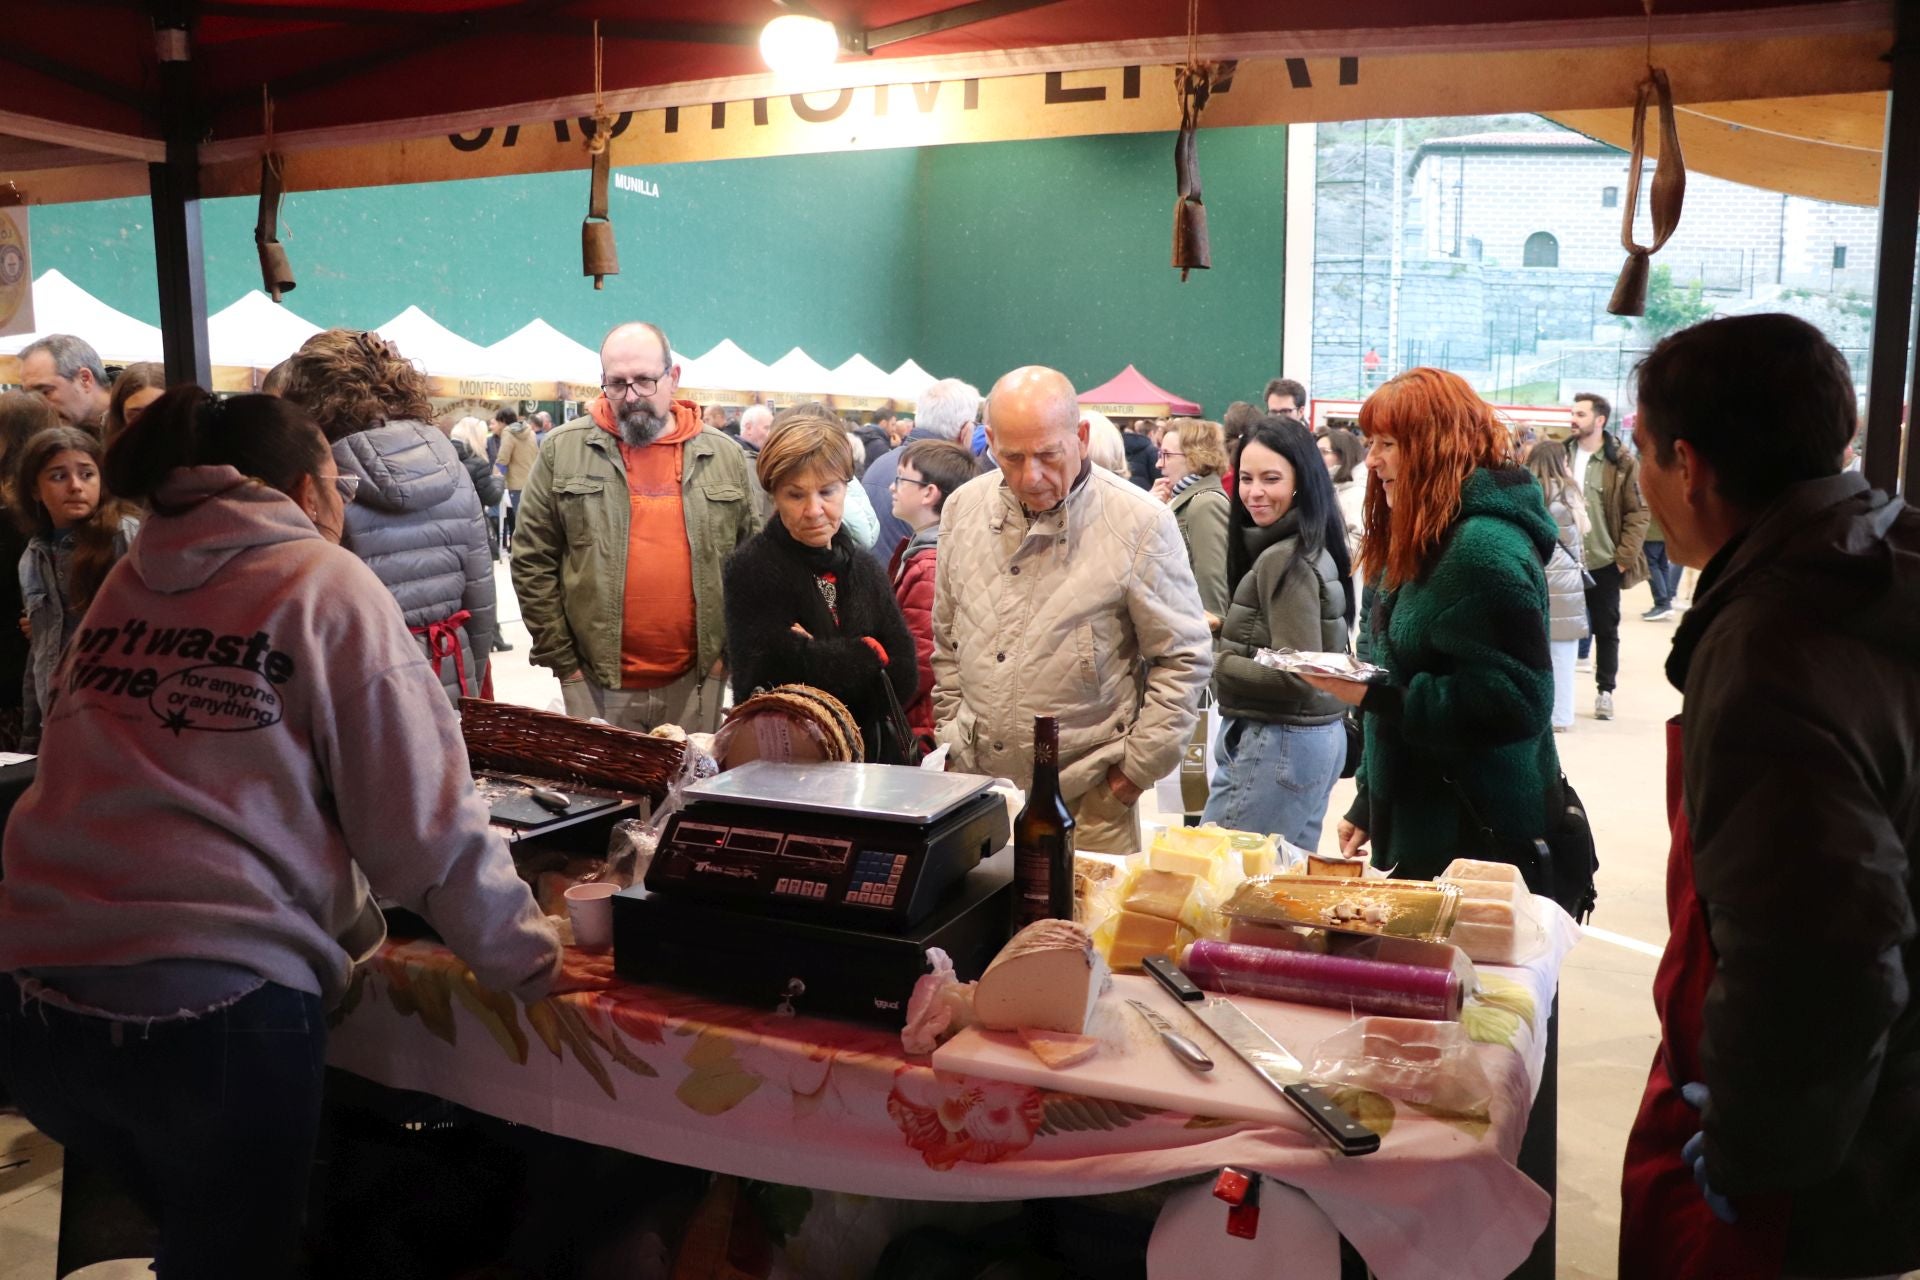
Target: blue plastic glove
{"type": "Point", "coordinates": [1694, 1155]}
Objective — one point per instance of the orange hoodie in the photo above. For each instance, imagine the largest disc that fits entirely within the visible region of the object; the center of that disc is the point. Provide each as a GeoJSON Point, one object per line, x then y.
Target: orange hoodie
{"type": "Point", "coordinates": [659, 639]}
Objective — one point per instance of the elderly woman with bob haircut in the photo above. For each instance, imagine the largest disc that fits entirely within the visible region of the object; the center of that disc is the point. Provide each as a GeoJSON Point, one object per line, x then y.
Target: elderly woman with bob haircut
{"type": "Point", "coordinates": [1193, 457]}
{"type": "Point", "coordinates": [805, 604]}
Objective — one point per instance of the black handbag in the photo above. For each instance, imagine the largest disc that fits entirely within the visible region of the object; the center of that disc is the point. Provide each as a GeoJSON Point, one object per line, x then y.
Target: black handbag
{"type": "Point", "coordinates": [1356, 742]}
{"type": "Point", "coordinates": [1563, 863]}
{"type": "Point", "coordinates": [898, 743]}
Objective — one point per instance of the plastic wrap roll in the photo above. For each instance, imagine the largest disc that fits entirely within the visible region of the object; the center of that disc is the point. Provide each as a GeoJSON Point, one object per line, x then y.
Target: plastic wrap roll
{"type": "Point", "coordinates": [1337, 982]}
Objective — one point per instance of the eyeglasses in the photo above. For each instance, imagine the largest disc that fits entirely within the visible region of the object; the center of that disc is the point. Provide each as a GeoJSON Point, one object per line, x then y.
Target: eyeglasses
{"type": "Point", "coordinates": [1172, 453]}
{"type": "Point", "coordinates": [348, 486]}
{"type": "Point", "coordinates": [619, 388]}
{"type": "Point", "coordinates": [900, 480]}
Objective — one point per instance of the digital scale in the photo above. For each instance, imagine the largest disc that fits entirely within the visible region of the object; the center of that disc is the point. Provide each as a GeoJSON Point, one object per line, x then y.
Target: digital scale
{"type": "Point", "coordinates": [819, 887]}
{"type": "Point", "coordinates": [869, 846]}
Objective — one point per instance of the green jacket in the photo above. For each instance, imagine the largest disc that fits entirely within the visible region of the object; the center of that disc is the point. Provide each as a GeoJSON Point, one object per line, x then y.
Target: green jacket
{"type": "Point", "coordinates": [1471, 698]}
{"type": "Point", "coordinates": [1201, 511]}
{"type": "Point", "coordinates": [570, 545]}
{"type": "Point", "coordinates": [1279, 603]}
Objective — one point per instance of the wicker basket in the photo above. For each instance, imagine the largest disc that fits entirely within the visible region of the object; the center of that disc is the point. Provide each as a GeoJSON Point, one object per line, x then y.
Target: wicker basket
{"type": "Point", "coordinates": [516, 739]}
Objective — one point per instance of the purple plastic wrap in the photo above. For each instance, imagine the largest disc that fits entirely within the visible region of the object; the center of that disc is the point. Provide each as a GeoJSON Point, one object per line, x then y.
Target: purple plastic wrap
{"type": "Point", "coordinates": [1337, 982]}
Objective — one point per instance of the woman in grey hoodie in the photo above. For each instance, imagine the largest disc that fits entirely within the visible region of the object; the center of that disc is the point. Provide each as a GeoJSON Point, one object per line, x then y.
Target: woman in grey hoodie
{"type": "Point", "coordinates": [415, 520]}
{"type": "Point", "coordinates": [246, 742]}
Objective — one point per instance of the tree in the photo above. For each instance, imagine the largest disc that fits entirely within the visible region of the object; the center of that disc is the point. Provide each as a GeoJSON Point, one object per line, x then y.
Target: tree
{"type": "Point", "coordinates": [1669, 307]}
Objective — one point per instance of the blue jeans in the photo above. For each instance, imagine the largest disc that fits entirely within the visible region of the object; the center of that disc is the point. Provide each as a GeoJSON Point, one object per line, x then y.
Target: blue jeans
{"type": "Point", "coordinates": [208, 1122]}
{"type": "Point", "coordinates": [1275, 778]}
{"type": "Point", "coordinates": [1662, 575]}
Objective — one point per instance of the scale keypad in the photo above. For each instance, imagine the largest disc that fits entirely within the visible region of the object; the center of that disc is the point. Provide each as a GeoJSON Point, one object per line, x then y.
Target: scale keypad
{"type": "Point", "coordinates": [876, 878]}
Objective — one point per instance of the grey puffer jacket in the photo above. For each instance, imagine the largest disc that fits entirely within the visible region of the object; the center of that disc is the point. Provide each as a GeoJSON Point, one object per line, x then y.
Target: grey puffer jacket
{"type": "Point", "coordinates": [1278, 603]}
{"type": "Point", "coordinates": [1566, 581]}
{"type": "Point", "coordinates": [417, 524]}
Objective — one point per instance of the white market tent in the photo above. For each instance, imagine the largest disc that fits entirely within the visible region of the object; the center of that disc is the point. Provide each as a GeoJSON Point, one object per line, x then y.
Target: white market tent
{"type": "Point", "coordinates": [798, 374]}
{"type": "Point", "coordinates": [861, 377]}
{"type": "Point", "coordinates": [539, 351]}
{"type": "Point", "coordinates": [61, 306]}
{"type": "Point", "coordinates": [256, 332]}
{"type": "Point", "coordinates": [726, 370]}
{"type": "Point", "coordinates": [908, 381]}
{"type": "Point", "coordinates": [437, 349]}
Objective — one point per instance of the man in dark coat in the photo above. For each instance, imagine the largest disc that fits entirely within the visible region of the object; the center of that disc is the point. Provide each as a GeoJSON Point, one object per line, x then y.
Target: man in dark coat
{"type": "Point", "coordinates": [1780, 1129]}
{"type": "Point", "coordinates": [1143, 456]}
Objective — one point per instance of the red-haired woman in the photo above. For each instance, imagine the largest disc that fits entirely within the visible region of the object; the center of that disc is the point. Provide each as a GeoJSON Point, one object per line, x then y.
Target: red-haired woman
{"type": "Point", "coordinates": [1459, 756]}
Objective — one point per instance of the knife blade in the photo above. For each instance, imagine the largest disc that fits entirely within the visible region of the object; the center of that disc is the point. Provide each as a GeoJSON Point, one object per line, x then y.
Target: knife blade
{"type": "Point", "coordinates": [1191, 1055]}
{"type": "Point", "coordinates": [1269, 1059]}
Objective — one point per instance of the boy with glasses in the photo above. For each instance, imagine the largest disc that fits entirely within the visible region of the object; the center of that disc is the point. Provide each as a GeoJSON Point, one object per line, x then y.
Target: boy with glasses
{"type": "Point", "coordinates": [929, 471]}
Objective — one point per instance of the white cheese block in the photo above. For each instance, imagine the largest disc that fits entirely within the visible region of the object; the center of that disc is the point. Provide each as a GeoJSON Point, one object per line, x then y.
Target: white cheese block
{"type": "Point", "coordinates": [1475, 869]}
{"type": "Point", "coordinates": [1047, 977]}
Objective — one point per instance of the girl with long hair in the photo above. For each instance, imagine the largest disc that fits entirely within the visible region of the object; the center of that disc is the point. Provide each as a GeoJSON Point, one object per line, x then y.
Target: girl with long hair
{"type": "Point", "coordinates": [1566, 580]}
{"type": "Point", "coordinates": [23, 416]}
{"type": "Point", "coordinates": [76, 533]}
{"type": "Point", "coordinates": [1459, 757]}
{"type": "Point", "coordinates": [1282, 741]}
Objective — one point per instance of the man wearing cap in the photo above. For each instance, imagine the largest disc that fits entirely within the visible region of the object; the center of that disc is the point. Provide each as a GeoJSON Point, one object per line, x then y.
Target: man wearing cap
{"type": "Point", "coordinates": [623, 526]}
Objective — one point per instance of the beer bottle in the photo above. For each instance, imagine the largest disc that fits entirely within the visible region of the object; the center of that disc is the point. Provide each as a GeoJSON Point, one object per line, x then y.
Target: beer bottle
{"type": "Point", "coordinates": [1043, 837]}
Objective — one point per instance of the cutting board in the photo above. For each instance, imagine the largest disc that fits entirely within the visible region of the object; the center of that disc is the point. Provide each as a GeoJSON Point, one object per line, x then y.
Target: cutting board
{"type": "Point", "coordinates": [1135, 1066]}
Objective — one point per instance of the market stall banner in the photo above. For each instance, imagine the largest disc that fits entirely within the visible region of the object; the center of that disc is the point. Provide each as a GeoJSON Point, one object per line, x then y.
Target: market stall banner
{"type": "Point", "coordinates": [1051, 104]}
{"type": "Point", "coordinates": [771, 1094]}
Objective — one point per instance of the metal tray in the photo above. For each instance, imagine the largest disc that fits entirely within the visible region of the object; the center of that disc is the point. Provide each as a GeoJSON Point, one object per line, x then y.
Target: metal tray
{"type": "Point", "coordinates": [890, 792]}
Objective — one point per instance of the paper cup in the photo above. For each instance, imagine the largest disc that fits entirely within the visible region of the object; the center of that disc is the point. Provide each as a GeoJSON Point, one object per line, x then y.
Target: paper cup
{"type": "Point", "coordinates": [590, 907]}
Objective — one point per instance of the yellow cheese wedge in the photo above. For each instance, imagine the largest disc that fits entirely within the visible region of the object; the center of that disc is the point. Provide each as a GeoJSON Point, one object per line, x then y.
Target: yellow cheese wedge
{"type": "Point", "coordinates": [1160, 893]}
{"type": "Point", "coordinates": [1188, 850]}
{"type": "Point", "coordinates": [1137, 936]}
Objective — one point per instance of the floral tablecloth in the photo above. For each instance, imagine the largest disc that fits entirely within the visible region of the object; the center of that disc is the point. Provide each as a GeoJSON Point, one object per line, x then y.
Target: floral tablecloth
{"type": "Point", "coordinates": [814, 1103]}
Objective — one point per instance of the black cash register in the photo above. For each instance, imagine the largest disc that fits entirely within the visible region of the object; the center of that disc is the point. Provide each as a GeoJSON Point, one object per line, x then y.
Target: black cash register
{"type": "Point", "coordinates": [821, 886]}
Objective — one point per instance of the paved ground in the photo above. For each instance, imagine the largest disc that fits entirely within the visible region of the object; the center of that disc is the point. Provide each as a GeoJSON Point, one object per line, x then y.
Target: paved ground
{"type": "Point", "coordinates": [1607, 1023]}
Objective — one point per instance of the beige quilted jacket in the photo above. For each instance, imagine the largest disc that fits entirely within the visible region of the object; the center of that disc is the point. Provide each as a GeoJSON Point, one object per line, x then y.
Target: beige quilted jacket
{"type": "Point", "coordinates": [1088, 612]}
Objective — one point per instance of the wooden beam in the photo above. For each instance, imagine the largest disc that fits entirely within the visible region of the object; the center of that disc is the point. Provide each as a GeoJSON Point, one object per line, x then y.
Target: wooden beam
{"type": "Point", "coordinates": [1893, 294]}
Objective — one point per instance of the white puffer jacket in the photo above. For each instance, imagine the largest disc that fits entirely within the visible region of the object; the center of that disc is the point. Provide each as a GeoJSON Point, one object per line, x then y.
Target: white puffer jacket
{"type": "Point", "coordinates": [1088, 613]}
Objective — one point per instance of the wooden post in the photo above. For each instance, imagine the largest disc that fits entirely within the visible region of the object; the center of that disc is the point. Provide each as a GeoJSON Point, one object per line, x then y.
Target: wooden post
{"type": "Point", "coordinates": [179, 259]}
{"type": "Point", "coordinates": [1893, 297]}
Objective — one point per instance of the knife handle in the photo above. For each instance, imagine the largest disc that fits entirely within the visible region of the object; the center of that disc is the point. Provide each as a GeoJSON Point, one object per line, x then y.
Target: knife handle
{"type": "Point", "coordinates": [1168, 975]}
{"type": "Point", "coordinates": [1348, 1135]}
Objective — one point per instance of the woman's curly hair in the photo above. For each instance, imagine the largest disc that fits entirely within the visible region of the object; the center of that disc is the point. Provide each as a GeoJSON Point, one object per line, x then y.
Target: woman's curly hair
{"type": "Point", "coordinates": [348, 381]}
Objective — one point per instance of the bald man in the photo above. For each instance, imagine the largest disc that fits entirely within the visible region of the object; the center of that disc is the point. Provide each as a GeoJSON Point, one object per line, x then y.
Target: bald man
{"type": "Point", "coordinates": [1065, 591]}
{"type": "Point", "coordinates": [622, 528]}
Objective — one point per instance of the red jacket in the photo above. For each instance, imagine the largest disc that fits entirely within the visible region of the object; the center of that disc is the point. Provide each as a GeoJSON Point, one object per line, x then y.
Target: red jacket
{"type": "Point", "coordinates": [912, 570]}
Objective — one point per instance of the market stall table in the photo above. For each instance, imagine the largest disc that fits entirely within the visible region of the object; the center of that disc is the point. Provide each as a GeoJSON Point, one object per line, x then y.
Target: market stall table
{"type": "Point", "coordinates": [771, 1095]}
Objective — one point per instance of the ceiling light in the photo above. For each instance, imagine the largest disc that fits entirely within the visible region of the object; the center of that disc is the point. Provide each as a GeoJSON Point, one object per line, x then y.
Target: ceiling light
{"type": "Point", "coordinates": [794, 44]}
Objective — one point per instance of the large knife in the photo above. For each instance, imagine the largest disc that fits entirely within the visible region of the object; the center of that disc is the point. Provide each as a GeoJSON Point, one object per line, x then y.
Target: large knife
{"type": "Point", "coordinates": [1268, 1058]}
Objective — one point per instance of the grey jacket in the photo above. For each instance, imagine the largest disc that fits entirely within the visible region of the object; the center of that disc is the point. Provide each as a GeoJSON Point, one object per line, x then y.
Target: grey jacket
{"type": "Point", "coordinates": [44, 600]}
{"type": "Point", "coordinates": [416, 521]}
{"type": "Point", "coordinates": [1279, 603]}
{"type": "Point", "coordinates": [1566, 581]}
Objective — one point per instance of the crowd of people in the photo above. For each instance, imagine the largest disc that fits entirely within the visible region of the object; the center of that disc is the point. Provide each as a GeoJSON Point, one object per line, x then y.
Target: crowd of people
{"type": "Point", "coordinates": [291, 591]}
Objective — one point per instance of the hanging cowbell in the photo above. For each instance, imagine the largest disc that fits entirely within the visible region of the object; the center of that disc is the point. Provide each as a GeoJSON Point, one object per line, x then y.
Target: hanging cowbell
{"type": "Point", "coordinates": [276, 273]}
{"type": "Point", "coordinates": [598, 257]}
{"type": "Point", "coordinates": [1190, 248]}
{"type": "Point", "coordinates": [1664, 204]}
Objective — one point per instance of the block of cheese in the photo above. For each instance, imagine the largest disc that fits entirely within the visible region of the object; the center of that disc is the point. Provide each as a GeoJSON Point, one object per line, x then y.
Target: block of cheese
{"type": "Point", "coordinates": [1475, 869]}
{"type": "Point", "coordinates": [1059, 1049]}
{"type": "Point", "coordinates": [1047, 977]}
{"type": "Point", "coordinates": [1250, 853]}
{"type": "Point", "coordinates": [1159, 893]}
{"type": "Point", "coordinates": [1192, 851]}
{"type": "Point", "coordinates": [1335, 865]}
{"type": "Point", "coordinates": [1137, 936]}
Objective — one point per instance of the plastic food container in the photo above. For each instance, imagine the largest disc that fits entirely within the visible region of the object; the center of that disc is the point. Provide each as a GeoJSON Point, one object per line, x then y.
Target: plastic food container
{"type": "Point", "coordinates": [1418, 909]}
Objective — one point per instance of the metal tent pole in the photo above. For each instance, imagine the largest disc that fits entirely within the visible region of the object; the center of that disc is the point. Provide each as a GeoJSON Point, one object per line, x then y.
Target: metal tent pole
{"type": "Point", "coordinates": [179, 260]}
{"type": "Point", "coordinates": [1893, 296]}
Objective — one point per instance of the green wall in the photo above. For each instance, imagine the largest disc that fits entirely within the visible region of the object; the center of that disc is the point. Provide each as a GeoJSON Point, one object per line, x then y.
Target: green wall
{"type": "Point", "coordinates": [1057, 253]}
{"type": "Point", "coordinates": [971, 259]}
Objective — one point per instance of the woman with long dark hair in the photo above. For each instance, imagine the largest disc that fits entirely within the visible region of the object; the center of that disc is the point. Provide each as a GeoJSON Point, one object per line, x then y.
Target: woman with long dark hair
{"type": "Point", "coordinates": [247, 745]}
{"type": "Point", "coordinates": [1459, 757]}
{"type": "Point", "coordinates": [1282, 742]}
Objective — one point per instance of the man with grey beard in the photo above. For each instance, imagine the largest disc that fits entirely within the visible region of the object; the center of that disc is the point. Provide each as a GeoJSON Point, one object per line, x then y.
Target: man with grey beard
{"type": "Point", "coordinates": [623, 528]}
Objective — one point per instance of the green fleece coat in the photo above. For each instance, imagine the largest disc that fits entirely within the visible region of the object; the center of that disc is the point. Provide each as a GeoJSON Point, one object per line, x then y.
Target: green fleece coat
{"type": "Point", "coordinates": [1471, 699]}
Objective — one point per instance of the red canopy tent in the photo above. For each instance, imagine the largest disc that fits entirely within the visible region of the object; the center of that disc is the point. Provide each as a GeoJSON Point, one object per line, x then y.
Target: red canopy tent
{"type": "Point", "coordinates": [1131, 394]}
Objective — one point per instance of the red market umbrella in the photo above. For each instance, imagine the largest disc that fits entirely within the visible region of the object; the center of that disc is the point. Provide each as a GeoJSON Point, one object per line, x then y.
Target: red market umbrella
{"type": "Point", "coordinates": [1131, 394]}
